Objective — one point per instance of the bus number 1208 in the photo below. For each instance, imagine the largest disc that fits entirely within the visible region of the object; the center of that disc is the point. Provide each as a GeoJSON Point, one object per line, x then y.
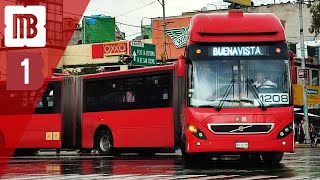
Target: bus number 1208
{"type": "Point", "coordinates": [274, 98]}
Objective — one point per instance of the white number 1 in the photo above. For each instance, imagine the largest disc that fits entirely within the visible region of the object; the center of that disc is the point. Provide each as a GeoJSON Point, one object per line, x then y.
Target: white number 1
{"type": "Point", "coordinates": [25, 64]}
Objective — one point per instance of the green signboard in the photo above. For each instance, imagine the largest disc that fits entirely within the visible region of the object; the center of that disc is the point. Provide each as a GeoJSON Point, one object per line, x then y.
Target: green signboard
{"type": "Point", "coordinates": [143, 54]}
{"type": "Point", "coordinates": [98, 29]}
{"type": "Point", "coordinates": [146, 30]}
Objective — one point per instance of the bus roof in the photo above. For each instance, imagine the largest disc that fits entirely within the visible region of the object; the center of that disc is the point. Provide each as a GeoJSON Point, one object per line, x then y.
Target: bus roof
{"type": "Point", "coordinates": [131, 71]}
{"type": "Point", "coordinates": [53, 78]}
{"type": "Point", "coordinates": [235, 26]}
{"type": "Point", "coordinates": [57, 78]}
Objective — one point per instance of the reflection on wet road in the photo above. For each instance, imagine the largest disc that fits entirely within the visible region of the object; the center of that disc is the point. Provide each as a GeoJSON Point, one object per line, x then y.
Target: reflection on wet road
{"type": "Point", "coordinates": [303, 164]}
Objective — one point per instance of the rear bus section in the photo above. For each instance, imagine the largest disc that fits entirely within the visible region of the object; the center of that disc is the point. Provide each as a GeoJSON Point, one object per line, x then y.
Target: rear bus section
{"type": "Point", "coordinates": [129, 111]}
{"type": "Point", "coordinates": [238, 87]}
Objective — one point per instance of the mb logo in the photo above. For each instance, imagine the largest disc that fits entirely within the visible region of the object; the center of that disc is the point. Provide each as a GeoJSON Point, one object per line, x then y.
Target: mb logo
{"type": "Point", "coordinates": [25, 26]}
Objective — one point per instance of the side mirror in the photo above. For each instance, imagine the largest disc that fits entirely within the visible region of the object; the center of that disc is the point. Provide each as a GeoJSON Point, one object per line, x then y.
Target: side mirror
{"type": "Point", "coordinates": [181, 66]}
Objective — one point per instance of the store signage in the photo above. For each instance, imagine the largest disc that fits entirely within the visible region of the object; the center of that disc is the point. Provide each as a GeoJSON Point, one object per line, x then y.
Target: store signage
{"type": "Point", "coordinates": [109, 49]}
{"type": "Point", "coordinates": [115, 48]}
{"type": "Point", "coordinates": [303, 73]}
{"type": "Point", "coordinates": [179, 36]}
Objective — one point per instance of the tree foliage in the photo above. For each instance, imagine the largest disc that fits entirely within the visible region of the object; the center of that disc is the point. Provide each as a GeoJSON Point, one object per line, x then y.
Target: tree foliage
{"type": "Point", "coordinates": [315, 19]}
{"type": "Point", "coordinates": [87, 69]}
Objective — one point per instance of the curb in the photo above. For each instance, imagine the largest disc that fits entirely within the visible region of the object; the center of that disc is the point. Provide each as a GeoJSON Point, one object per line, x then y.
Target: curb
{"type": "Point", "coordinates": [303, 146]}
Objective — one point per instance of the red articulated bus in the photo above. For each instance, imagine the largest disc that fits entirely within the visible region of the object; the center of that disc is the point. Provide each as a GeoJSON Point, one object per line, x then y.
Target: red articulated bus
{"type": "Point", "coordinates": [111, 112]}
{"type": "Point", "coordinates": [238, 88]}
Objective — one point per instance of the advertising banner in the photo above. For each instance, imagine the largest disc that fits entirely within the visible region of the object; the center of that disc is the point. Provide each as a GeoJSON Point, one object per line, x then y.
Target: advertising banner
{"type": "Point", "coordinates": [313, 96]}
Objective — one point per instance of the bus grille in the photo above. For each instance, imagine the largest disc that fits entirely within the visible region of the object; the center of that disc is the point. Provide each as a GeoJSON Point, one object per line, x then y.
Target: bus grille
{"type": "Point", "coordinates": [253, 128]}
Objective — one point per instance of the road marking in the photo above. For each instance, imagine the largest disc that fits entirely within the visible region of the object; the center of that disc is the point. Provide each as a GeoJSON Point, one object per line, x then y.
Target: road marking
{"type": "Point", "coordinates": [141, 176]}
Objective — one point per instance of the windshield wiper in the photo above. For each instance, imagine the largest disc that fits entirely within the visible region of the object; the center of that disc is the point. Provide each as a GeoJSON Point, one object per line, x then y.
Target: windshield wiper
{"type": "Point", "coordinates": [226, 94]}
{"type": "Point", "coordinates": [254, 91]}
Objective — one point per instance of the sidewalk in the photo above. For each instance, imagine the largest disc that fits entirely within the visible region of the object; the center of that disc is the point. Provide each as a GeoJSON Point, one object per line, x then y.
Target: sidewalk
{"type": "Point", "coordinates": [303, 145]}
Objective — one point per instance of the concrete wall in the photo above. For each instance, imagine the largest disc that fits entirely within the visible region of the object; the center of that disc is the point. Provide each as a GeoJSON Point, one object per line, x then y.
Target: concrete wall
{"type": "Point", "coordinates": [76, 37]}
{"type": "Point", "coordinates": [82, 55]}
{"type": "Point", "coordinates": [290, 14]}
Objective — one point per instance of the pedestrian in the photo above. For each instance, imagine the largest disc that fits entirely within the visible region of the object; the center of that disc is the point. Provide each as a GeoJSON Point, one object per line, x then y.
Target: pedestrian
{"type": "Point", "coordinates": [301, 132]}
{"type": "Point", "coordinates": [296, 132]}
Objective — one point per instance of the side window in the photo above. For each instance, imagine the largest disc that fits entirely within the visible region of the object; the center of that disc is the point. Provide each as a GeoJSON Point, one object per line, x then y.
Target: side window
{"type": "Point", "coordinates": [315, 78]}
{"type": "Point", "coordinates": [158, 91]}
{"type": "Point", "coordinates": [49, 103]}
{"type": "Point", "coordinates": [139, 92]}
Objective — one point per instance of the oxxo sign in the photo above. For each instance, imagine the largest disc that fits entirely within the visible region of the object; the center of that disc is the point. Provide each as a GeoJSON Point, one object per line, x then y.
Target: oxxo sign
{"type": "Point", "coordinates": [115, 48]}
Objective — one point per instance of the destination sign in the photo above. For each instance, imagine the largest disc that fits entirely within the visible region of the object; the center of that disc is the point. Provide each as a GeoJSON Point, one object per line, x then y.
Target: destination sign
{"type": "Point", "coordinates": [237, 51]}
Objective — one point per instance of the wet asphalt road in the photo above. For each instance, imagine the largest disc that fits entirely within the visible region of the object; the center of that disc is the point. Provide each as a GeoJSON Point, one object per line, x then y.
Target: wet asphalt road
{"type": "Point", "coordinates": [303, 164]}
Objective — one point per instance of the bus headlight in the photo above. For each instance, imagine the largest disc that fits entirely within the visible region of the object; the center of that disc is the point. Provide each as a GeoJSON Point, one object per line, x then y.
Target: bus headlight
{"type": "Point", "coordinates": [196, 132]}
{"type": "Point", "coordinates": [285, 131]}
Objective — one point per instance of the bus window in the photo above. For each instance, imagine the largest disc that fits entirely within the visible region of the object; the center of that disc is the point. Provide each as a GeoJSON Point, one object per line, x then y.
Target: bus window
{"type": "Point", "coordinates": [49, 102]}
{"type": "Point", "coordinates": [140, 92]}
{"type": "Point", "coordinates": [315, 78]}
{"type": "Point", "coordinates": [158, 91]}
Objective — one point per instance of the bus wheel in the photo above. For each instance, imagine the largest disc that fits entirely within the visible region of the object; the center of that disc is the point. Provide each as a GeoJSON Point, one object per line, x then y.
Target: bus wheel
{"type": "Point", "coordinates": [272, 158]}
{"type": "Point", "coordinates": [104, 143]}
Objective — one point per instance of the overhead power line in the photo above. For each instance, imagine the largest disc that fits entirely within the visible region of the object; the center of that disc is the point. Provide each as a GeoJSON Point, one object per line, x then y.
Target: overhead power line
{"type": "Point", "coordinates": [133, 34]}
{"type": "Point", "coordinates": [136, 9]}
{"type": "Point", "coordinates": [130, 25]}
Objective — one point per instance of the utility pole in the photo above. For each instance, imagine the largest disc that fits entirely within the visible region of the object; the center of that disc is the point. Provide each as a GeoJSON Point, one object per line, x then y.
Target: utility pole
{"type": "Point", "coordinates": [303, 66]}
{"type": "Point", "coordinates": [164, 56]}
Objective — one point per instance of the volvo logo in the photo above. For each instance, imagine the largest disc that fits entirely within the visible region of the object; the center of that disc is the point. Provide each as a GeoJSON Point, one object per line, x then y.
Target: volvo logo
{"type": "Point", "coordinates": [241, 128]}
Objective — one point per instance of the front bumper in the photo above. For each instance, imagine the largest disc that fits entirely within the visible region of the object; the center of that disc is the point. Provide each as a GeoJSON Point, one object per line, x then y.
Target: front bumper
{"type": "Point", "coordinates": [195, 145]}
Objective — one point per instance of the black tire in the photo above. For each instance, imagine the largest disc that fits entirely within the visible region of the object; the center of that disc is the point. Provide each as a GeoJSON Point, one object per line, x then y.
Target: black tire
{"type": "Point", "coordinates": [192, 158]}
{"type": "Point", "coordinates": [183, 145]}
{"type": "Point", "coordinates": [272, 158]}
{"type": "Point", "coordinates": [104, 143]}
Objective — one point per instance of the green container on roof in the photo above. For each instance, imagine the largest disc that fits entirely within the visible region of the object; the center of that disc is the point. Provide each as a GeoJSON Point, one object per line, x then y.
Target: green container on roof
{"type": "Point", "coordinates": [98, 29]}
{"type": "Point", "coordinates": [146, 31]}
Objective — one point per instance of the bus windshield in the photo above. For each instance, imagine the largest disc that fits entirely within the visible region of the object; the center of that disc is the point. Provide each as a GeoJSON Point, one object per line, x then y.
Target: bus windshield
{"type": "Point", "coordinates": [238, 83]}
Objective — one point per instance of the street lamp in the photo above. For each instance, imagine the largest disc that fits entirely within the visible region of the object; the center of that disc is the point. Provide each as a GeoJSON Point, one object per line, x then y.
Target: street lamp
{"type": "Point", "coordinates": [164, 56]}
